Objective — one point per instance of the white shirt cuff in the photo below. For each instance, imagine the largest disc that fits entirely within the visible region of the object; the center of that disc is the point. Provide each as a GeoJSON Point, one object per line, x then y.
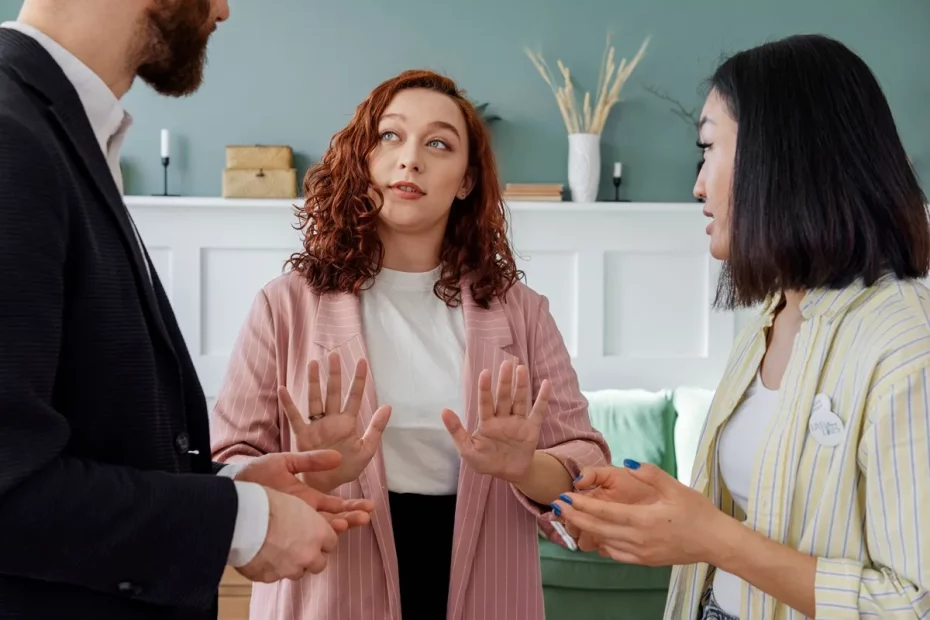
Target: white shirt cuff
{"type": "Point", "coordinates": [251, 519]}
{"type": "Point", "coordinates": [231, 470]}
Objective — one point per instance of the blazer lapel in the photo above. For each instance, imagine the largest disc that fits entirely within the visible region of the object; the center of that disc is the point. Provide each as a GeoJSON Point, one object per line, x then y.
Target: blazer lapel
{"type": "Point", "coordinates": [338, 328]}
{"type": "Point", "coordinates": [35, 68]}
{"type": "Point", "coordinates": [488, 335]}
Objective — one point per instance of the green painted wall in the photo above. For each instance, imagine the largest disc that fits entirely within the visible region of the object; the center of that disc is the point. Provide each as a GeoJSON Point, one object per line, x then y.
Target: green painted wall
{"type": "Point", "coordinates": [292, 71]}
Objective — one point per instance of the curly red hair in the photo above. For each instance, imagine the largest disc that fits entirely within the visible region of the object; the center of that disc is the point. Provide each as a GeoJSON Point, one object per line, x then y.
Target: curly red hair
{"type": "Point", "coordinates": [342, 251]}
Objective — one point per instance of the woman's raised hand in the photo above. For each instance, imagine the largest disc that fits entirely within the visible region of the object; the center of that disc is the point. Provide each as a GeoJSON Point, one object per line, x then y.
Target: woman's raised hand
{"type": "Point", "coordinates": [335, 425]}
{"type": "Point", "coordinates": [507, 435]}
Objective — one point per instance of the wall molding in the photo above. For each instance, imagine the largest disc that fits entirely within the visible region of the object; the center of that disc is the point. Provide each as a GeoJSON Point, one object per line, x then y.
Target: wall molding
{"type": "Point", "coordinates": [630, 284]}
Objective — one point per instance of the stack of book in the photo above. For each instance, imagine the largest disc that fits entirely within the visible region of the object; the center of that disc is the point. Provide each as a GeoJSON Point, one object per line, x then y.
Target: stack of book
{"type": "Point", "coordinates": [536, 192]}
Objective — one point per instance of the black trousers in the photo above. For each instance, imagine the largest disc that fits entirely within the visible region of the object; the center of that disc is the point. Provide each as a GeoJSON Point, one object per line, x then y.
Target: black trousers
{"type": "Point", "coordinates": [423, 528]}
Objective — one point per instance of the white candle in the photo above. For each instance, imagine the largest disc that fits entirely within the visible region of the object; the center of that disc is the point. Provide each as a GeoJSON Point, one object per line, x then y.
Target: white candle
{"type": "Point", "coordinates": [164, 143]}
{"type": "Point", "coordinates": [618, 169]}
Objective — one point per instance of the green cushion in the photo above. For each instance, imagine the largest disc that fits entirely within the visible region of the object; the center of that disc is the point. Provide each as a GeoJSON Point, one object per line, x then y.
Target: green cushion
{"type": "Point", "coordinates": [636, 424]}
{"type": "Point", "coordinates": [589, 571]}
{"type": "Point", "coordinates": [639, 425]}
{"type": "Point", "coordinates": [604, 604]}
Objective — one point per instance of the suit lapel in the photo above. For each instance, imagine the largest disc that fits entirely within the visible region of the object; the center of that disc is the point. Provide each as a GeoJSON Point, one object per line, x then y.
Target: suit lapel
{"type": "Point", "coordinates": [488, 335]}
{"type": "Point", "coordinates": [78, 129]}
{"type": "Point", "coordinates": [34, 67]}
{"type": "Point", "coordinates": [338, 327]}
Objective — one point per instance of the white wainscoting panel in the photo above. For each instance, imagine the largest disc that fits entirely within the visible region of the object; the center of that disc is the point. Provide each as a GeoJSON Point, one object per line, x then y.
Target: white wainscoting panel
{"type": "Point", "coordinates": [630, 285]}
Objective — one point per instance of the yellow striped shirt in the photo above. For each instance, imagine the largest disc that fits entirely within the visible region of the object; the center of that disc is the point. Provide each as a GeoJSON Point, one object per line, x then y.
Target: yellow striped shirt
{"type": "Point", "coordinates": [861, 507]}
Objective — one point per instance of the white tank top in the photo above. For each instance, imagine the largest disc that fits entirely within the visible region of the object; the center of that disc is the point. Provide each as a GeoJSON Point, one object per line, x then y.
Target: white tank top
{"type": "Point", "coordinates": [737, 448]}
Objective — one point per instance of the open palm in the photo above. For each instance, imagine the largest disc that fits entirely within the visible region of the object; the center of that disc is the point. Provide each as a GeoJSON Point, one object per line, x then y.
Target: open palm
{"type": "Point", "coordinates": [335, 426]}
{"type": "Point", "coordinates": [507, 434]}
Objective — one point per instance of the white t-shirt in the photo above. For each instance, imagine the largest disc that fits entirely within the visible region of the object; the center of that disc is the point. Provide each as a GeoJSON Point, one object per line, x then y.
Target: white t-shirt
{"type": "Point", "coordinates": [737, 447]}
{"type": "Point", "coordinates": [416, 349]}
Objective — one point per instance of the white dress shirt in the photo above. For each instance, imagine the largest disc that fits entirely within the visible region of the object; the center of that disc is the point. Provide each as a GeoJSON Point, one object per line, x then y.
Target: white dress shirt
{"type": "Point", "coordinates": [110, 123]}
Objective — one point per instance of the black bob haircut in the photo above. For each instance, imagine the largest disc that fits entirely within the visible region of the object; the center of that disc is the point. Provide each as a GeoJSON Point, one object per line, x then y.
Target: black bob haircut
{"type": "Point", "coordinates": [823, 192]}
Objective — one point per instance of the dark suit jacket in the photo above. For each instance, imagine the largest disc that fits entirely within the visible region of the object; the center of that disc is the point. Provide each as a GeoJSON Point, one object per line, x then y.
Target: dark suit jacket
{"type": "Point", "coordinates": [104, 511]}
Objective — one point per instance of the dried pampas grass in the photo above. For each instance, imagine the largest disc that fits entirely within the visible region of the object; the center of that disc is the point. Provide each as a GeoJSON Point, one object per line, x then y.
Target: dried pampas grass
{"type": "Point", "coordinates": [611, 79]}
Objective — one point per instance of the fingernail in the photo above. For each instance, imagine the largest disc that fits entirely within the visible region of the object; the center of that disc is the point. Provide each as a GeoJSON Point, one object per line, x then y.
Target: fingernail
{"type": "Point", "coordinates": [556, 510]}
{"type": "Point", "coordinates": [630, 464]}
{"type": "Point", "coordinates": [580, 476]}
{"type": "Point", "coordinates": [565, 498]}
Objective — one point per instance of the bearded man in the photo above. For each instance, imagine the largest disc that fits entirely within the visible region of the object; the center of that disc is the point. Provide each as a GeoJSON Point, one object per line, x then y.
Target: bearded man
{"type": "Point", "coordinates": [110, 507]}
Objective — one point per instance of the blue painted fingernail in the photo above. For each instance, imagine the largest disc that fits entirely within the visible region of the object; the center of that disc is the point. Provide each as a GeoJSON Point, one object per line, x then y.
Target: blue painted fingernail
{"type": "Point", "coordinates": [565, 498]}
{"type": "Point", "coordinates": [630, 464]}
{"type": "Point", "coordinates": [580, 476]}
{"type": "Point", "coordinates": [556, 510]}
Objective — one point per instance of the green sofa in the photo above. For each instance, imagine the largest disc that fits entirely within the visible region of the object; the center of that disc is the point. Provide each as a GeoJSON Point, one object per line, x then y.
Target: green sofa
{"type": "Point", "coordinates": [651, 427]}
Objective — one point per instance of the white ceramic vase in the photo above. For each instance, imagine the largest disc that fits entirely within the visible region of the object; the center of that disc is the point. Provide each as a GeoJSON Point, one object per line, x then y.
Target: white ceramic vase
{"type": "Point", "coordinates": [584, 166]}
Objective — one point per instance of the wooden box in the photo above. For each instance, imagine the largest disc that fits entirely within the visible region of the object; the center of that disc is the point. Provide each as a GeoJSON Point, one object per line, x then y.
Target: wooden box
{"type": "Point", "coordinates": [259, 157]}
{"type": "Point", "coordinates": [261, 183]}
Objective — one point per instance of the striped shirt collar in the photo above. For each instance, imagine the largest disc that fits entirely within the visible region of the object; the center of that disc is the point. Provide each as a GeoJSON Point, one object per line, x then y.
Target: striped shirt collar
{"type": "Point", "coordinates": [823, 302]}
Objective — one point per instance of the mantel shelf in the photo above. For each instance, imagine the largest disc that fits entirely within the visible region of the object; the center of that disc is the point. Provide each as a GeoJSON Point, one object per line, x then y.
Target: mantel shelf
{"type": "Point", "coordinates": [207, 202]}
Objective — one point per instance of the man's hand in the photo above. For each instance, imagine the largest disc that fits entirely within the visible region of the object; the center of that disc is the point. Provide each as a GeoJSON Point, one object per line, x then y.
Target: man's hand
{"type": "Point", "coordinates": [280, 472]}
{"type": "Point", "coordinates": [298, 541]}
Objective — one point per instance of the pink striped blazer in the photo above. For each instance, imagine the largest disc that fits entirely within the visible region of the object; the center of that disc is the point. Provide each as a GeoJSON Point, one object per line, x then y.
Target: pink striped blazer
{"type": "Point", "coordinates": [495, 562]}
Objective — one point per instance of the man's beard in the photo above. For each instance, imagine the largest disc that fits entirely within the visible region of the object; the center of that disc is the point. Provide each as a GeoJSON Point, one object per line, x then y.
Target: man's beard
{"type": "Point", "coordinates": [174, 48]}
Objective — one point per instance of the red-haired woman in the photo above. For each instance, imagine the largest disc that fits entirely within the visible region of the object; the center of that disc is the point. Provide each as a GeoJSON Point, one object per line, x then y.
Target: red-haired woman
{"type": "Point", "coordinates": [407, 285]}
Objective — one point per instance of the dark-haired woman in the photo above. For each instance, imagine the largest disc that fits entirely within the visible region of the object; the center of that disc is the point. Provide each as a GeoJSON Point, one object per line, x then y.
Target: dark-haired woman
{"type": "Point", "coordinates": [406, 270]}
{"type": "Point", "coordinates": [811, 491]}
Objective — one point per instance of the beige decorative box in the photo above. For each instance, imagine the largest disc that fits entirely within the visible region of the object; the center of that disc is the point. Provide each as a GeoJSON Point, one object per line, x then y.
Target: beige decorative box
{"type": "Point", "coordinates": [261, 183]}
{"type": "Point", "coordinates": [259, 156]}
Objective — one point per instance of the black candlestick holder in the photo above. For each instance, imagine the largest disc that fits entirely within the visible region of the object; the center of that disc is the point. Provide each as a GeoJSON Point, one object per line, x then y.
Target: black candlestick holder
{"type": "Point", "coordinates": [617, 182]}
{"type": "Point", "coordinates": [164, 162]}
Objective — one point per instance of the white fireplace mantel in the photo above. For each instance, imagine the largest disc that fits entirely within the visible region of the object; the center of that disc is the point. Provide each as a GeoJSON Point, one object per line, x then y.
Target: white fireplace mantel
{"type": "Point", "coordinates": [630, 284]}
{"type": "Point", "coordinates": [211, 202]}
